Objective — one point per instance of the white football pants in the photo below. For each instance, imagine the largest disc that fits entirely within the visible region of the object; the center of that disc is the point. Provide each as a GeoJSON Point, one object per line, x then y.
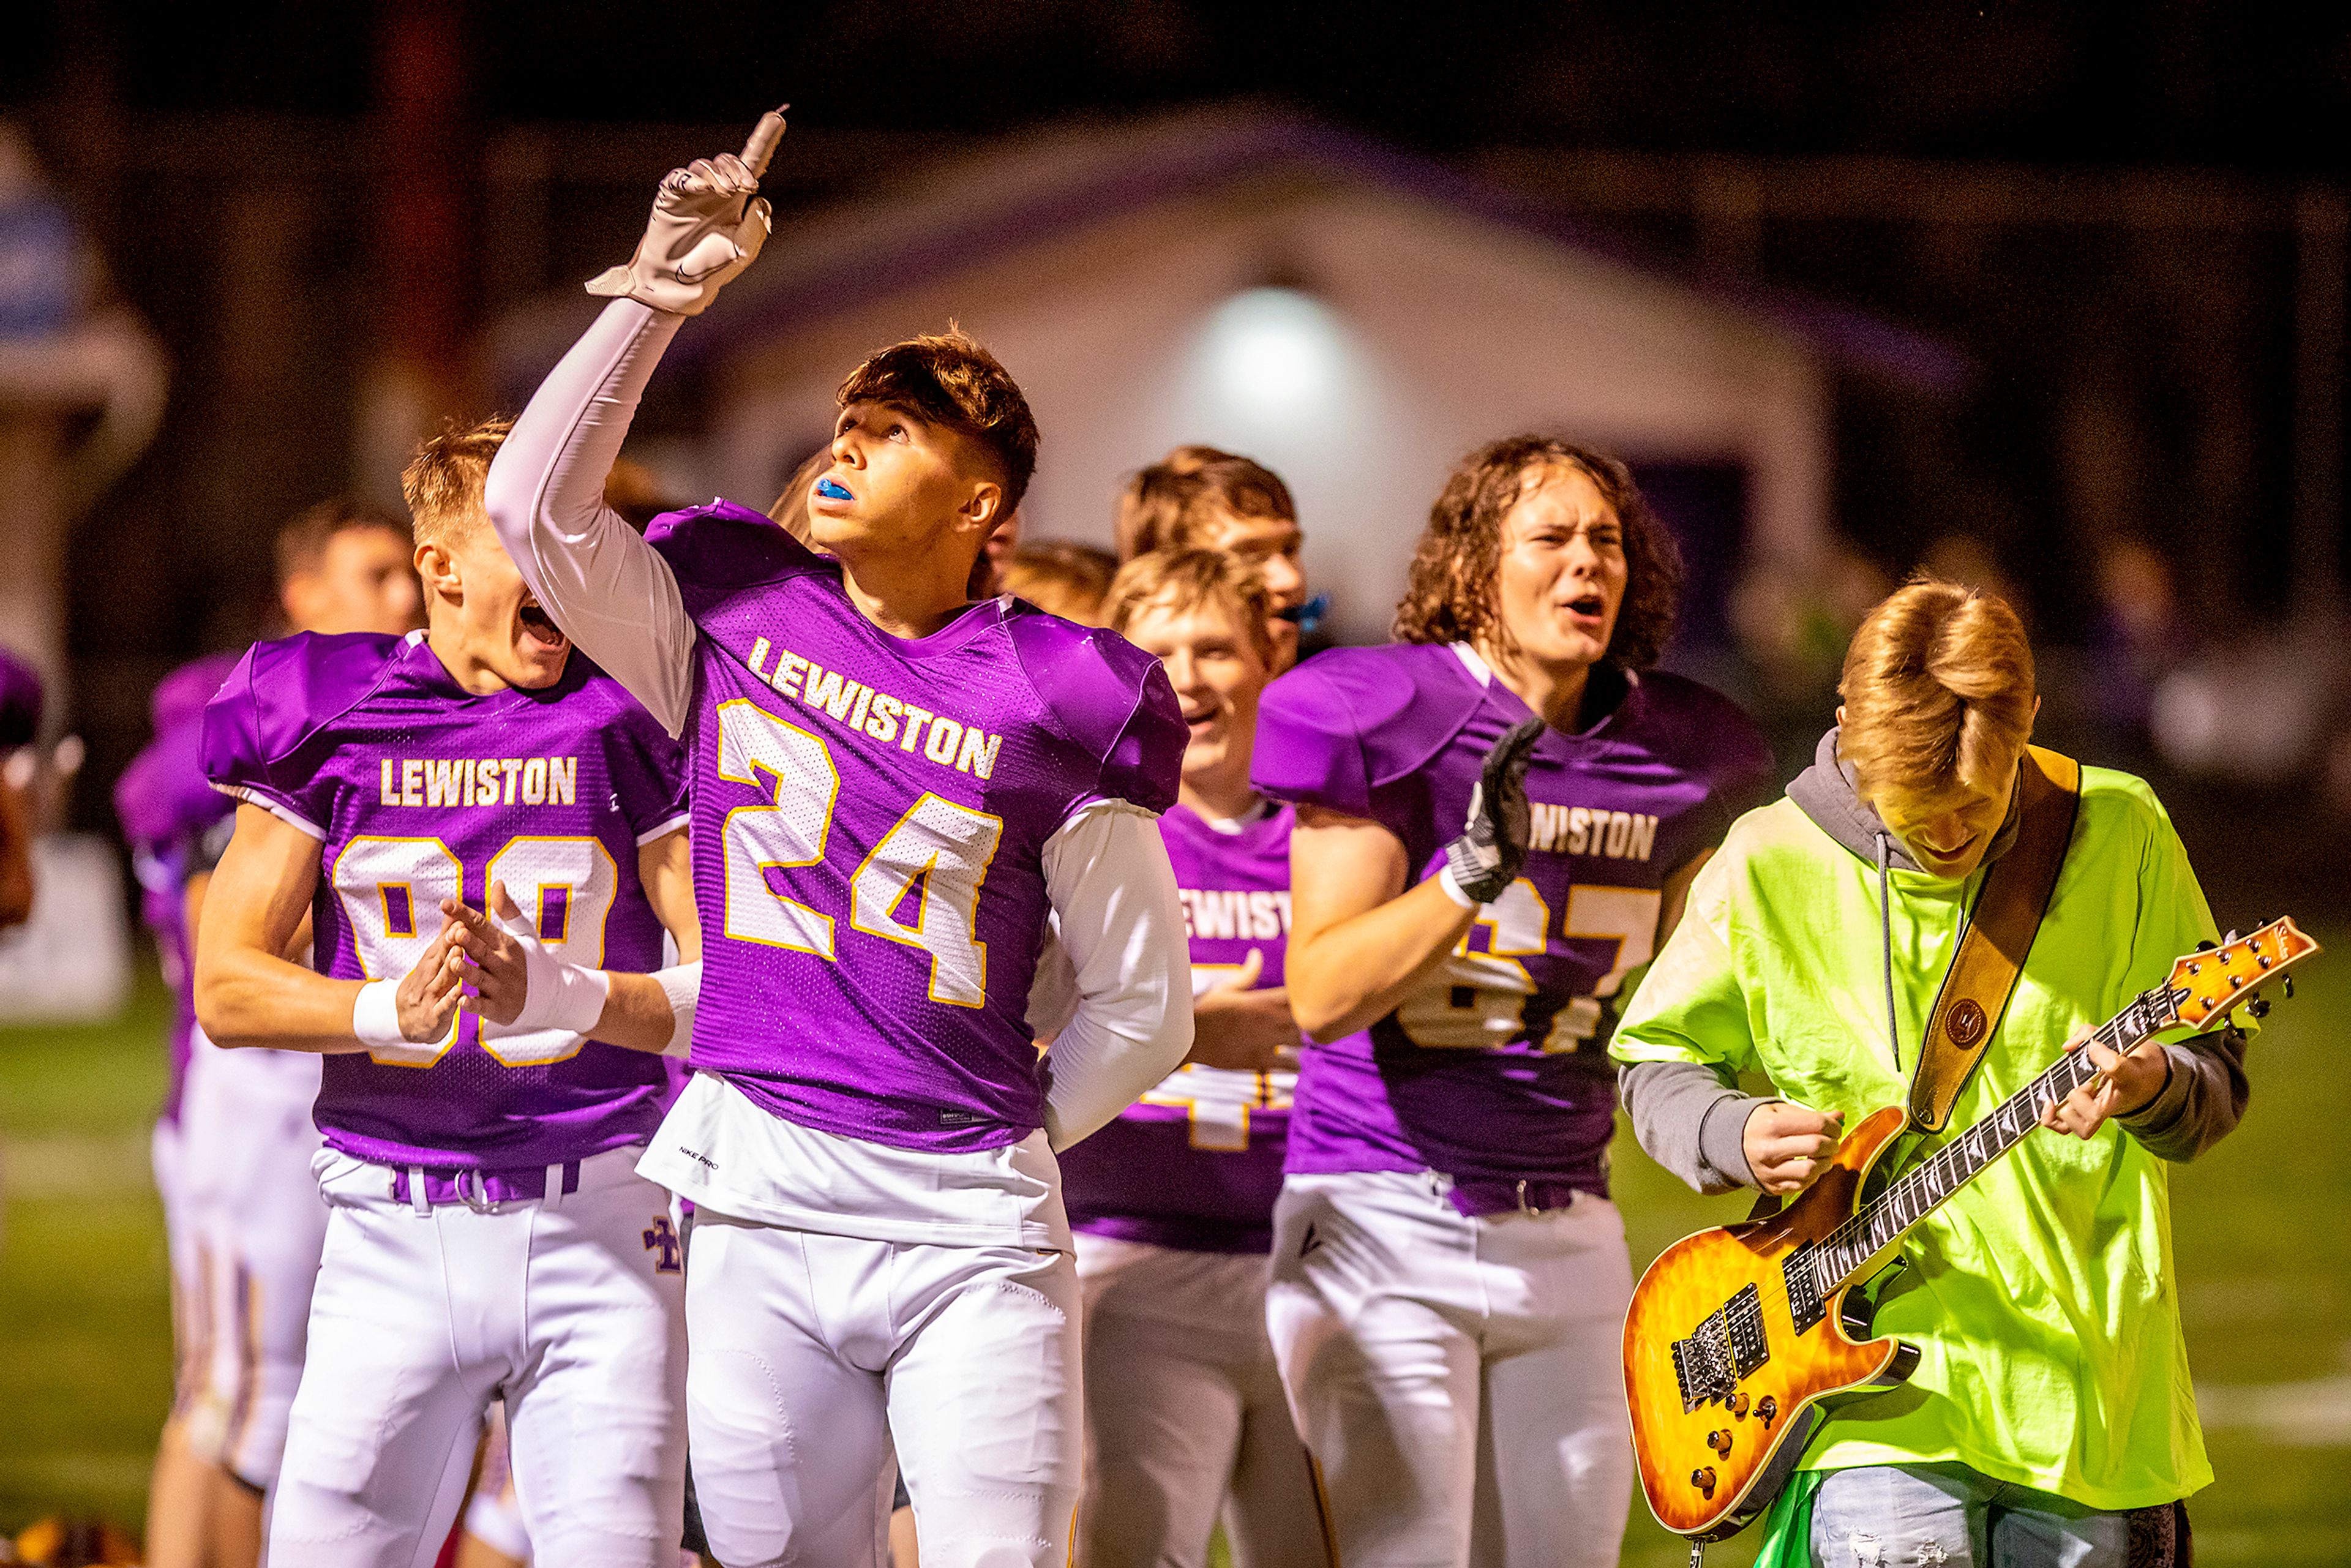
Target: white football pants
{"type": "Point", "coordinates": [1185, 1415]}
{"type": "Point", "coordinates": [1459, 1380]}
{"type": "Point", "coordinates": [571, 1307]}
{"type": "Point", "coordinates": [250, 1205]}
{"type": "Point", "coordinates": [814, 1354]}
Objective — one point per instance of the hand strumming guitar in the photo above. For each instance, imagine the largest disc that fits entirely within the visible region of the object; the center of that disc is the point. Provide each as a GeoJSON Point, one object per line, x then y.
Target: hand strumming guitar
{"type": "Point", "coordinates": [1788, 1146]}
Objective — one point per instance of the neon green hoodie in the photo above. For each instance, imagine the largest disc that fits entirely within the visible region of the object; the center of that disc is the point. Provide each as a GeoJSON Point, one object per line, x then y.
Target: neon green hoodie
{"type": "Point", "coordinates": [2041, 1297]}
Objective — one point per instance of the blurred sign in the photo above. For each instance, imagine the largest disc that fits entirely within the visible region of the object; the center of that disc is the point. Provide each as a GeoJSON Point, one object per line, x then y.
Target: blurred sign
{"type": "Point", "coordinates": [71, 962]}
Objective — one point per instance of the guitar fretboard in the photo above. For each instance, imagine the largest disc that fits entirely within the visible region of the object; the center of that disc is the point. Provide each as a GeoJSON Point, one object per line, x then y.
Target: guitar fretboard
{"type": "Point", "coordinates": [1928, 1184]}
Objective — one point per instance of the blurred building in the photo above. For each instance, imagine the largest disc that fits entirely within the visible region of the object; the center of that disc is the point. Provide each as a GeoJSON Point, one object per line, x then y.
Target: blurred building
{"type": "Point", "coordinates": [1351, 316]}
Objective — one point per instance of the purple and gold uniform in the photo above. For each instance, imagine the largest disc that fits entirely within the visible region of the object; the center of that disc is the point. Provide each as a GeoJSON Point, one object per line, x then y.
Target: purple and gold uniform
{"type": "Point", "coordinates": [870, 814]}
{"type": "Point", "coordinates": [1449, 1277]}
{"type": "Point", "coordinates": [1196, 1163]}
{"type": "Point", "coordinates": [419, 791]}
{"type": "Point", "coordinates": [1495, 1071]}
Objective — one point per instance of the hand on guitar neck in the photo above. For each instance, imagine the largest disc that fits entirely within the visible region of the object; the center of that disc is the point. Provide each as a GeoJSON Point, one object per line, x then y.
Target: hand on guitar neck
{"type": "Point", "coordinates": [2127, 1081]}
{"type": "Point", "coordinates": [1789, 1145]}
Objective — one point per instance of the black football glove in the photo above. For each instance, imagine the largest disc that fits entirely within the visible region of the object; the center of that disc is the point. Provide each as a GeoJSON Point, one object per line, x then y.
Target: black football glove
{"type": "Point", "coordinates": [1493, 844]}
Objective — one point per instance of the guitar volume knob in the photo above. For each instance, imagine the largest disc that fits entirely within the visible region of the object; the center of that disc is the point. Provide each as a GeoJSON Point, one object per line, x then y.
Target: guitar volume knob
{"type": "Point", "coordinates": [1703, 1478]}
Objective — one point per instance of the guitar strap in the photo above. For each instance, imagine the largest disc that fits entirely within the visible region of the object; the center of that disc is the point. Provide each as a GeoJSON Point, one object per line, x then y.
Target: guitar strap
{"type": "Point", "coordinates": [1999, 932]}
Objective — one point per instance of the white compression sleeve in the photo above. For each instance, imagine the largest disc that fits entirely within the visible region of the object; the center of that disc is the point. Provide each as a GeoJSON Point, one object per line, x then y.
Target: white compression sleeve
{"type": "Point", "coordinates": [610, 590]}
{"type": "Point", "coordinates": [1119, 921]}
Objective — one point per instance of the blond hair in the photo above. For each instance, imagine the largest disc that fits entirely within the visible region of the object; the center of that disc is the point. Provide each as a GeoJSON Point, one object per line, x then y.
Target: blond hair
{"type": "Point", "coordinates": [1163, 506]}
{"type": "Point", "coordinates": [1939, 693]}
{"type": "Point", "coordinates": [442, 483]}
{"type": "Point", "coordinates": [1189, 578]}
{"type": "Point", "coordinates": [1062, 578]}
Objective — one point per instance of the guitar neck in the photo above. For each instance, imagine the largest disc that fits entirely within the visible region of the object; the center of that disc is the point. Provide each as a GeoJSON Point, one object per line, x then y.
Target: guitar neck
{"type": "Point", "coordinates": [1930, 1184]}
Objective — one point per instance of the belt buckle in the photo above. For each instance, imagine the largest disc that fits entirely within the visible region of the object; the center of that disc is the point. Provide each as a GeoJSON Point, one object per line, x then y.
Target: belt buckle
{"type": "Point", "coordinates": [479, 1200]}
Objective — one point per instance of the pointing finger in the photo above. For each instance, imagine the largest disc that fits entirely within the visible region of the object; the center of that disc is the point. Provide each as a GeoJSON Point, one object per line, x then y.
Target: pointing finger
{"type": "Point", "coordinates": [762, 143]}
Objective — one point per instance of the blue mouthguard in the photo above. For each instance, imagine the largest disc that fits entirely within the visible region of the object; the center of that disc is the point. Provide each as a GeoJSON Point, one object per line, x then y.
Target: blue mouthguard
{"type": "Point", "coordinates": [1310, 614]}
{"type": "Point", "coordinates": [833, 490]}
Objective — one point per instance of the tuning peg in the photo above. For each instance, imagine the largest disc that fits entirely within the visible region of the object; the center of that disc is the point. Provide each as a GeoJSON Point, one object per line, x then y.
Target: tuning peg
{"type": "Point", "coordinates": [2206, 946]}
{"type": "Point", "coordinates": [2289, 988]}
{"type": "Point", "coordinates": [2259, 1006]}
{"type": "Point", "coordinates": [2232, 937]}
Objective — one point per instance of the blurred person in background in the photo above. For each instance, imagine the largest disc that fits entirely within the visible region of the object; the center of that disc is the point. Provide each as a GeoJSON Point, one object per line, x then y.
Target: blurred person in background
{"type": "Point", "coordinates": [240, 1210]}
{"type": "Point", "coordinates": [1202, 497]}
{"type": "Point", "coordinates": [1173, 1202]}
{"type": "Point", "coordinates": [1498, 817]}
{"type": "Point", "coordinates": [2138, 636]}
{"type": "Point", "coordinates": [20, 725]}
{"type": "Point", "coordinates": [1062, 578]}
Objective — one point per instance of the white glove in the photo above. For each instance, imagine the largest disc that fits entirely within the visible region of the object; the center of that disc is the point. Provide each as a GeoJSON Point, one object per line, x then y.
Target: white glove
{"type": "Point", "coordinates": [706, 227]}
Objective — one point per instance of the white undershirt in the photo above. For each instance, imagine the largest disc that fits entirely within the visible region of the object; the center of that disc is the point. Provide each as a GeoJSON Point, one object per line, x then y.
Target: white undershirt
{"type": "Point", "coordinates": [1117, 964]}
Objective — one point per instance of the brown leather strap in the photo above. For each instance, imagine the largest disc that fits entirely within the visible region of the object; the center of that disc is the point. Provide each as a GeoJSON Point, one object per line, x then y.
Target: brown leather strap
{"type": "Point", "coordinates": [2000, 930]}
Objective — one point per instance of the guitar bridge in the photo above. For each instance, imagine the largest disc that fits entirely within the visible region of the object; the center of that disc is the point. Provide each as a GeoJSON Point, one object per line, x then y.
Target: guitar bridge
{"type": "Point", "coordinates": [1727, 1347]}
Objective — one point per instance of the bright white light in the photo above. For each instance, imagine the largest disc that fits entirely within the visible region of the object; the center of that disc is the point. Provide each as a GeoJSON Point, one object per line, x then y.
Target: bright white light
{"type": "Point", "coordinates": [1275, 357]}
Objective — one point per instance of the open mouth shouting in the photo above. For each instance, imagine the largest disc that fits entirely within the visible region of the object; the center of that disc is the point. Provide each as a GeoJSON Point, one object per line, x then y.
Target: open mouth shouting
{"type": "Point", "coordinates": [1590, 609]}
{"type": "Point", "coordinates": [539, 631]}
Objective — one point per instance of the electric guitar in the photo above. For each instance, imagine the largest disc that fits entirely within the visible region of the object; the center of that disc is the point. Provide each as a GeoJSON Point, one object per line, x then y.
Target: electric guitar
{"type": "Point", "coordinates": [1738, 1338]}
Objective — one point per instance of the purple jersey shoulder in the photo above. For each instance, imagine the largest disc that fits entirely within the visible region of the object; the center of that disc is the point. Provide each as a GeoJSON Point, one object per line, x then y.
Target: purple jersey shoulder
{"type": "Point", "coordinates": [721, 548]}
{"type": "Point", "coordinates": [1111, 699]}
{"type": "Point", "coordinates": [20, 702]}
{"type": "Point", "coordinates": [280, 697]}
{"type": "Point", "coordinates": [1346, 723]}
{"type": "Point", "coordinates": [1704, 733]}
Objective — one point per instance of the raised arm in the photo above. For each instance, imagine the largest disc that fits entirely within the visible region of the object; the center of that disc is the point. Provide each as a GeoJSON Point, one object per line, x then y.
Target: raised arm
{"type": "Point", "coordinates": [610, 590]}
{"type": "Point", "coordinates": [1120, 925]}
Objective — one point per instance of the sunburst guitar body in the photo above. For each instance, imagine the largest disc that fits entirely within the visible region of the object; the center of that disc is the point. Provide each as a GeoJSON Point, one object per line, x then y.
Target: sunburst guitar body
{"type": "Point", "coordinates": [1740, 1340]}
{"type": "Point", "coordinates": [1712, 1461]}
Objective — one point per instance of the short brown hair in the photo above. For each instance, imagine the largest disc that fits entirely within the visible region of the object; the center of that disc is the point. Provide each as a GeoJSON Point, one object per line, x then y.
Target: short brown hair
{"type": "Point", "coordinates": [1062, 578]}
{"type": "Point", "coordinates": [442, 483]}
{"type": "Point", "coordinates": [947, 378]}
{"type": "Point", "coordinates": [1449, 593]}
{"type": "Point", "coordinates": [1939, 691]}
{"type": "Point", "coordinates": [1189, 578]}
{"type": "Point", "coordinates": [1162, 507]}
{"type": "Point", "coordinates": [302, 542]}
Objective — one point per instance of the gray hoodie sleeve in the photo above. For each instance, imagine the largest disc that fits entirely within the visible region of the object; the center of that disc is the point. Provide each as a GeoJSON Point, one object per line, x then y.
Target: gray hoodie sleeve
{"type": "Point", "coordinates": [1691, 1121]}
{"type": "Point", "coordinates": [2199, 1103]}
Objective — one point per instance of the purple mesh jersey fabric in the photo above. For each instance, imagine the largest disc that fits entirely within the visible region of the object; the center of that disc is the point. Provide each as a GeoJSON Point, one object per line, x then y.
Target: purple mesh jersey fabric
{"type": "Point", "coordinates": [166, 805]}
{"type": "Point", "coordinates": [420, 791]}
{"type": "Point", "coordinates": [1495, 1071]}
{"type": "Point", "coordinates": [869, 815]}
{"type": "Point", "coordinates": [20, 702]}
{"type": "Point", "coordinates": [1196, 1163]}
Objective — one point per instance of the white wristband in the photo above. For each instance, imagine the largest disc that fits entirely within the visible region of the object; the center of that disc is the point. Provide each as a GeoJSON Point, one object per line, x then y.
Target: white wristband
{"type": "Point", "coordinates": [375, 1023]}
{"type": "Point", "coordinates": [559, 995]}
{"type": "Point", "coordinates": [681, 983]}
{"type": "Point", "coordinates": [1452, 889]}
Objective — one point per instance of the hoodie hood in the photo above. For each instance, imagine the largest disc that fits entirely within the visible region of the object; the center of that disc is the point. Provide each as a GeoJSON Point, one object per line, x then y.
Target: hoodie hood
{"type": "Point", "coordinates": [1827, 794]}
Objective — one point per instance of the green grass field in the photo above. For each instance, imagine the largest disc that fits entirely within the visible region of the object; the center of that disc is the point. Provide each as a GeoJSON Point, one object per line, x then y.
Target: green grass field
{"type": "Point", "coordinates": [2263, 1227]}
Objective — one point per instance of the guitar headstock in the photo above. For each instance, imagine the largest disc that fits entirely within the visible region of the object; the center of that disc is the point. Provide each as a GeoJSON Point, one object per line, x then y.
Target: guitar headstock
{"type": "Point", "coordinates": [2207, 983]}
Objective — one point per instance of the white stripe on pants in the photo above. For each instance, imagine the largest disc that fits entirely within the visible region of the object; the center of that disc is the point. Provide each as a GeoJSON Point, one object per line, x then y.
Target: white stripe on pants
{"type": "Point", "coordinates": [421, 1319]}
{"type": "Point", "coordinates": [1459, 1380]}
{"type": "Point", "coordinates": [813, 1354]}
{"type": "Point", "coordinates": [1185, 1416]}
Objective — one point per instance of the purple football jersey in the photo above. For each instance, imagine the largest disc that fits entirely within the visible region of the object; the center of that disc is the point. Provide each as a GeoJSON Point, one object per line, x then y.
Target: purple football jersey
{"type": "Point", "coordinates": [419, 791]}
{"type": "Point", "coordinates": [20, 702]}
{"type": "Point", "coordinates": [1196, 1162]}
{"type": "Point", "coordinates": [167, 807]}
{"type": "Point", "coordinates": [1495, 1071]}
{"type": "Point", "coordinates": [869, 816]}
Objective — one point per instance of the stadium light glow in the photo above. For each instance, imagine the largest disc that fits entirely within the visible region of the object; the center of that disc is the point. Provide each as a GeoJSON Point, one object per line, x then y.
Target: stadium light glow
{"type": "Point", "coordinates": [1275, 356]}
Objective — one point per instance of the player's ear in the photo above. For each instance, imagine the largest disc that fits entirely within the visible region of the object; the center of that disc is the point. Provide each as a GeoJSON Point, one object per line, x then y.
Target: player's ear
{"type": "Point", "coordinates": [437, 569]}
{"type": "Point", "coordinates": [982, 508]}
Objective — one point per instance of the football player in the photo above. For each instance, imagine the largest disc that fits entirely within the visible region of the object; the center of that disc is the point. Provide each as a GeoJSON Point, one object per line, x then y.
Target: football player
{"type": "Point", "coordinates": [899, 795]}
{"type": "Point", "coordinates": [1173, 1202]}
{"type": "Point", "coordinates": [1449, 1277]}
{"type": "Point", "coordinates": [233, 1146]}
{"type": "Point", "coordinates": [1198, 498]}
{"type": "Point", "coordinates": [488, 1234]}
